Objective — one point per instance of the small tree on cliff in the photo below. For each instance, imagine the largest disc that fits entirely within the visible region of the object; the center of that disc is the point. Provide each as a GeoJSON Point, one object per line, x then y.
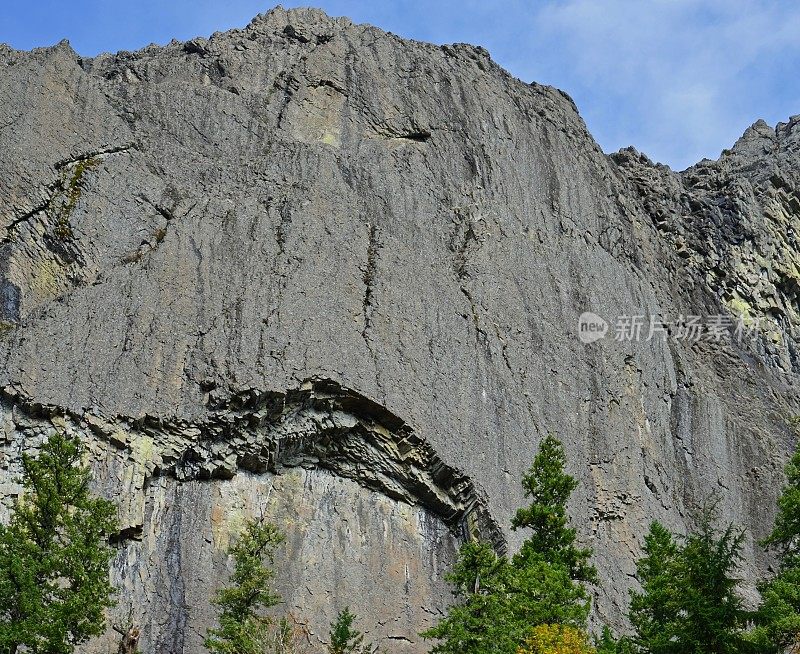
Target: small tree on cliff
{"type": "Point", "coordinates": [345, 638]}
{"type": "Point", "coordinates": [54, 555]}
{"type": "Point", "coordinates": [243, 628]}
{"type": "Point", "coordinates": [499, 602]}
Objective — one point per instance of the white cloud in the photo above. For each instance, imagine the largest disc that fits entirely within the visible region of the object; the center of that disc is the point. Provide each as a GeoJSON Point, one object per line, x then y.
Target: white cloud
{"type": "Point", "coordinates": [680, 79]}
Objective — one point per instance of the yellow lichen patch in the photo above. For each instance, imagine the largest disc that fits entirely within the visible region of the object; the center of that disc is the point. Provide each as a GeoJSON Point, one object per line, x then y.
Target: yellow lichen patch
{"type": "Point", "coordinates": [143, 449]}
{"type": "Point", "coordinates": [226, 524]}
{"type": "Point", "coordinates": [330, 138]}
{"type": "Point", "coordinates": [72, 185]}
{"type": "Point", "coordinates": [473, 528]}
{"type": "Point", "coordinates": [135, 471]}
{"type": "Point", "coordinates": [287, 498]}
{"type": "Point", "coordinates": [47, 279]}
{"type": "Point", "coordinates": [741, 308]}
{"type": "Point", "coordinates": [228, 517]}
{"type": "Point", "coordinates": [776, 337]}
{"type": "Point", "coordinates": [317, 117]}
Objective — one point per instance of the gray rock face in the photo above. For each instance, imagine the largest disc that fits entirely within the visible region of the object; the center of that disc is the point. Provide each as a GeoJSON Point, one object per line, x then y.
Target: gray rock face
{"type": "Point", "coordinates": [313, 271]}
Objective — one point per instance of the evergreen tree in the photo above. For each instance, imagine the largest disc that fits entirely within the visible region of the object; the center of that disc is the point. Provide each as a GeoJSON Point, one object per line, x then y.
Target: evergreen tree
{"type": "Point", "coordinates": [499, 601]}
{"type": "Point", "coordinates": [549, 570]}
{"type": "Point", "coordinates": [654, 613]}
{"type": "Point", "coordinates": [544, 593]}
{"type": "Point", "coordinates": [54, 555]}
{"type": "Point", "coordinates": [785, 535]}
{"type": "Point", "coordinates": [482, 618]}
{"type": "Point", "coordinates": [551, 538]}
{"type": "Point", "coordinates": [243, 629]}
{"type": "Point", "coordinates": [689, 603]}
{"type": "Point", "coordinates": [777, 621]}
{"type": "Point", "coordinates": [345, 639]}
{"type": "Point", "coordinates": [778, 617]}
{"type": "Point", "coordinates": [714, 618]}
{"type": "Point", "coordinates": [606, 643]}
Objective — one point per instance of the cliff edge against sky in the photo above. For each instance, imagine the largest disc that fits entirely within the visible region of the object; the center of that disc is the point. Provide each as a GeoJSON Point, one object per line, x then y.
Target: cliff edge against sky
{"type": "Point", "coordinates": [312, 269]}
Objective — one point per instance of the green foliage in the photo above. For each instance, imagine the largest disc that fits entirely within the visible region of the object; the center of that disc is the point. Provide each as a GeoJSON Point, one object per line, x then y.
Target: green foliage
{"type": "Point", "coordinates": [785, 536]}
{"type": "Point", "coordinates": [73, 188]}
{"type": "Point", "coordinates": [715, 614]}
{"type": "Point", "coordinates": [546, 594]}
{"type": "Point", "coordinates": [777, 621]}
{"type": "Point", "coordinates": [54, 555]}
{"type": "Point", "coordinates": [548, 487]}
{"type": "Point", "coordinates": [243, 630]}
{"type": "Point", "coordinates": [654, 612]}
{"type": "Point", "coordinates": [345, 639]}
{"type": "Point", "coordinates": [481, 620]}
{"type": "Point", "coordinates": [689, 603]}
{"type": "Point", "coordinates": [607, 643]}
{"type": "Point", "coordinates": [500, 601]}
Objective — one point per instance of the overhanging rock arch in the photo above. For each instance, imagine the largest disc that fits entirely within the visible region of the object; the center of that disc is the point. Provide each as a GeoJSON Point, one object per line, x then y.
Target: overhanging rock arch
{"type": "Point", "coordinates": [320, 424]}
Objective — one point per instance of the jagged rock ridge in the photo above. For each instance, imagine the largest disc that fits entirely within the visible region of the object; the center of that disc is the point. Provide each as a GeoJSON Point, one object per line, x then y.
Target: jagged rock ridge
{"type": "Point", "coordinates": [314, 232]}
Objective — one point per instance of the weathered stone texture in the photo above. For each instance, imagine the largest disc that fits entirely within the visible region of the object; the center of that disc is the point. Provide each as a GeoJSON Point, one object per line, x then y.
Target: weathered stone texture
{"type": "Point", "coordinates": [200, 243]}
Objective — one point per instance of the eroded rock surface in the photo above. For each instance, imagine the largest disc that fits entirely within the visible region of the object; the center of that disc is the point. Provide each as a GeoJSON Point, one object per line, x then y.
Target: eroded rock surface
{"type": "Point", "coordinates": [310, 269]}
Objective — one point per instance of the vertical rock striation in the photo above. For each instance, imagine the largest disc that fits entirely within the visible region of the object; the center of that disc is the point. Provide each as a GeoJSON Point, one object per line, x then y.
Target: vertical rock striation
{"type": "Point", "coordinates": [311, 270]}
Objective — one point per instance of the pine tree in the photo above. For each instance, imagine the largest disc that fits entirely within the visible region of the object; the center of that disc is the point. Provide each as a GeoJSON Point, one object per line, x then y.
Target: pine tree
{"type": "Point", "coordinates": [777, 620]}
{"type": "Point", "coordinates": [243, 629]}
{"type": "Point", "coordinates": [482, 618]}
{"type": "Point", "coordinates": [545, 593]}
{"type": "Point", "coordinates": [345, 639]}
{"type": "Point", "coordinates": [499, 601]}
{"type": "Point", "coordinates": [54, 555]}
{"type": "Point", "coordinates": [550, 570]}
{"type": "Point", "coordinates": [714, 618]}
{"type": "Point", "coordinates": [606, 643]}
{"type": "Point", "coordinates": [654, 613]}
{"type": "Point", "coordinates": [778, 617]}
{"type": "Point", "coordinates": [785, 535]}
{"type": "Point", "coordinates": [689, 603]}
{"type": "Point", "coordinates": [549, 488]}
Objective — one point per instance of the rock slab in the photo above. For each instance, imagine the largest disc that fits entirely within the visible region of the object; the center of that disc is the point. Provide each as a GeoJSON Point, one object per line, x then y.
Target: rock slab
{"type": "Point", "coordinates": [313, 271]}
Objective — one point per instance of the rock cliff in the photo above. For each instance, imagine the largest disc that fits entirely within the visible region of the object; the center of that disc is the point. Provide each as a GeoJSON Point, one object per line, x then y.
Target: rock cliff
{"type": "Point", "coordinates": [311, 270]}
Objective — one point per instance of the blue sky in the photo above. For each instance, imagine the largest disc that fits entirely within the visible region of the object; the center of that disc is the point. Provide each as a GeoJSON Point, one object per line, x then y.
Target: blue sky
{"type": "Point", "coordinates": [678, 79]}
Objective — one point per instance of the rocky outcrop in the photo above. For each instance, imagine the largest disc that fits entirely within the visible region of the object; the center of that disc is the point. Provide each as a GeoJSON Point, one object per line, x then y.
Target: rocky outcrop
{"type": "Point", "coordinates": [313, 271]}
{"type": "Point", "coordinates": [734, 224]}
{"type": "Point", "coordinates": [338, 473]}
{"type": "Point", "coordinates": [319, 426]}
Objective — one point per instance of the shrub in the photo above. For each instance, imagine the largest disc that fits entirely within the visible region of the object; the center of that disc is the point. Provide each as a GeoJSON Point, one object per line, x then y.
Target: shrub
{"type": "Point", "coordinates": [556, 639]}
